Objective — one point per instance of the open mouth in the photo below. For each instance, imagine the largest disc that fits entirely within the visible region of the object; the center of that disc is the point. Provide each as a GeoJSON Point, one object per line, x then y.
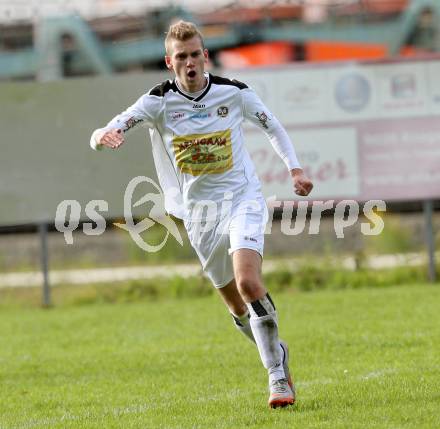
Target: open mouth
{"type": "Point", "coordinates": [191, 73]}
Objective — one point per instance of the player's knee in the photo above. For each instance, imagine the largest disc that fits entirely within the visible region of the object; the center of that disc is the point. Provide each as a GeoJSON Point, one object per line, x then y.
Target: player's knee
{"type": "Point", "coordinates": [249, 286]}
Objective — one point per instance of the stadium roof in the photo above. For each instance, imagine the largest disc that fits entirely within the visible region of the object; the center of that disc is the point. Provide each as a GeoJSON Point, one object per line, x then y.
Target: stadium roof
{"type": "Point", "coordinates": [14, 11]}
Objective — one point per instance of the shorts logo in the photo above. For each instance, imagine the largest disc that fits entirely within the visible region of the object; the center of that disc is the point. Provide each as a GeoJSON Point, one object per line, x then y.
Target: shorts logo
{"type": "Point", "coordinates": [222, 111]}
{"type": "Point", "coordinates": [262, 117]}
{"type": "Point", "coordinates": [198, 106]}
{"type": "Point", "coordinates": [250, 239]}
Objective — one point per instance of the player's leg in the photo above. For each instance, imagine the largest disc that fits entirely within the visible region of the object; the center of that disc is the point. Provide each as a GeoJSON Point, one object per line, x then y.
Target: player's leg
{"type": "Point", "coordinates": [264, 323]}
{"type": "Point", "coordinates": [241, 316]}
{"type": "Point", "coordinates": [263, 318]}
{"type": "Point", "coordinates": [211, 248]}
{"type": "Point", "coordinates": [238, 309]}
{"type": "Point", "coordinates": [217, 265]}
{"type": "Point", "coordinates": [246, 233]}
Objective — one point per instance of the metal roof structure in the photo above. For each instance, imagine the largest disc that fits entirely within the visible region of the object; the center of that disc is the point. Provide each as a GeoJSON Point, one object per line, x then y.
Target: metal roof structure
{"type": "Point", "coordinates": [97, 52]}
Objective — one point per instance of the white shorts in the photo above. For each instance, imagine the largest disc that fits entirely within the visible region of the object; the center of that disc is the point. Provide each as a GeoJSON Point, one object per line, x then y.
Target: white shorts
{"type": "Point", "coordinates": [215, 240]}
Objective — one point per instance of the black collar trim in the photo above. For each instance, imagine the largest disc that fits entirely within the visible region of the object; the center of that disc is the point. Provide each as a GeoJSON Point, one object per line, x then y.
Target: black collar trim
{"type": "Point", "coordinates": [176, 88]}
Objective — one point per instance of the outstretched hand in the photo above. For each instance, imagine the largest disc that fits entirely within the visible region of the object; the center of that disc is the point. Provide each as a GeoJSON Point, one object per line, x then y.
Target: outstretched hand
{"type": "Point", "coordinates": [302, 184]}
{"type": "Point", "coordinates": [112, 139]}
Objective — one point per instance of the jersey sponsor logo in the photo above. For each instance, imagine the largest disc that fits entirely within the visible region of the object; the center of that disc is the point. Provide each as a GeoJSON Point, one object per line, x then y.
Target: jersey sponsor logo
{"type": "Point", "coordinates": [209, 153]}
{"type": "Point", "coordinates": [222, 111]}
{"type": "Point", "coordinates": [200, 115]}
{"type": "Point", "coordinates": [131, 122]}
{"type": "Point", "coordinates": [198, 106]}
{"type": "Point", "coordinates": [262, 117]}
{"type": "Point", "coordinates": [175, 116]}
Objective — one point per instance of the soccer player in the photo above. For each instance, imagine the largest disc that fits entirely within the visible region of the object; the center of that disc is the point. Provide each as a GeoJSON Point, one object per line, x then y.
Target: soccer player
{"type": "Point", "coordinates": [195, 123]}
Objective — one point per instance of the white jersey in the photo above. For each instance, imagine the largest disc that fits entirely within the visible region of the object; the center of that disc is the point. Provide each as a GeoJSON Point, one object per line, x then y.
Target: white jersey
{"type": "Point", "coordinates": [198, 144]}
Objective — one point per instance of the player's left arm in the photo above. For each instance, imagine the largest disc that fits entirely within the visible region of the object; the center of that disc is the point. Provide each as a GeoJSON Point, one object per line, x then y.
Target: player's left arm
{"type": "Point", "coordinates": [259, 114]}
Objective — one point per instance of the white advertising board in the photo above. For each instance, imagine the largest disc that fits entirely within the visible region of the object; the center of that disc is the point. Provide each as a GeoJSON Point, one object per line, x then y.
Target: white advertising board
{"type": "Point", "coordinates": [361, 130]}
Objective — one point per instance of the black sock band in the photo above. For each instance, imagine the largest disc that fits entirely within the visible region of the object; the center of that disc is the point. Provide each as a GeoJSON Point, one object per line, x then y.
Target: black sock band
{"type": "Point", "coordinates": [264, 306]}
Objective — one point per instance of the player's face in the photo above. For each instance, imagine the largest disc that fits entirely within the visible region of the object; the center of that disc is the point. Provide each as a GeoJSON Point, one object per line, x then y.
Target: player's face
{"type": "Point", "coordinates": [187, 60]}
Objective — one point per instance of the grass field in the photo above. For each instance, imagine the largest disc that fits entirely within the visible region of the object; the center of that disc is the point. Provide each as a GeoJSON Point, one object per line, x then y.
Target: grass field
{"type": "Point", "coordinates": [367, 358]}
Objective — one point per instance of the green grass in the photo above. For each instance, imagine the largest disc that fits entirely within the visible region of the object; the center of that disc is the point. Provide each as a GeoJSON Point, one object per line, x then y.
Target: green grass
{"type": "Point", "coordinates": [366, 358]}
{"type": "Point", "coordinates": [324, 273]}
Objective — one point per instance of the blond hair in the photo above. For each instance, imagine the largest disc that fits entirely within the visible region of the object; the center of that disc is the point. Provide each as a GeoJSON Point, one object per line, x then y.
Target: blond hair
{"type": "Point", "coordinates": [182, 31]}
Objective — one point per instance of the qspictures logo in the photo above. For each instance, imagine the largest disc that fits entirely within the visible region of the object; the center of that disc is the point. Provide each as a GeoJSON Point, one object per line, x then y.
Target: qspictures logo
{"type": "Point", "coordinates": [69, 212]}
{"type": "Point", "coordinates": [345, 215]}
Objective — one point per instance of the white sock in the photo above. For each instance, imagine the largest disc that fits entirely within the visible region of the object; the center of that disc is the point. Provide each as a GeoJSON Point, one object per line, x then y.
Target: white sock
{"type": "Point", "coordinates": [242, 323]}
{"type": "Point", "coordinates": [264, 324]}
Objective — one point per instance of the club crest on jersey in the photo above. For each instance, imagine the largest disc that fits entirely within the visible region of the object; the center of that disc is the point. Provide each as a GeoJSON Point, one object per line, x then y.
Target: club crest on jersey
{"type": "Point", "coordinates": [262, 117]}
{"type": "Point", "coordinates": [222, 111]}
{"type": "Point", "coordinates": [198, 106]}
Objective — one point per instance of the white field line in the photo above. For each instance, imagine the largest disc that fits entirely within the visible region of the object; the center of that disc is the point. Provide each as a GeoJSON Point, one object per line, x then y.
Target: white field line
{"type": "Point", "coordinates": [379, 373]}
{"type": "Point", "coordinates": [106, 275]}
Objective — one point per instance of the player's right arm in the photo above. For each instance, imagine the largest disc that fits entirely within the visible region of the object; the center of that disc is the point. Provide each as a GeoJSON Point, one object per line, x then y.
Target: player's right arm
{"type": "Point", "coordinates": [144, 111]}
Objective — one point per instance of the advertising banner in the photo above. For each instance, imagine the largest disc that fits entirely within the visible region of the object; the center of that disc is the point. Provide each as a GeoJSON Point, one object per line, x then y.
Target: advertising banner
{"type": "Point", "coordinates": [361, 131]}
